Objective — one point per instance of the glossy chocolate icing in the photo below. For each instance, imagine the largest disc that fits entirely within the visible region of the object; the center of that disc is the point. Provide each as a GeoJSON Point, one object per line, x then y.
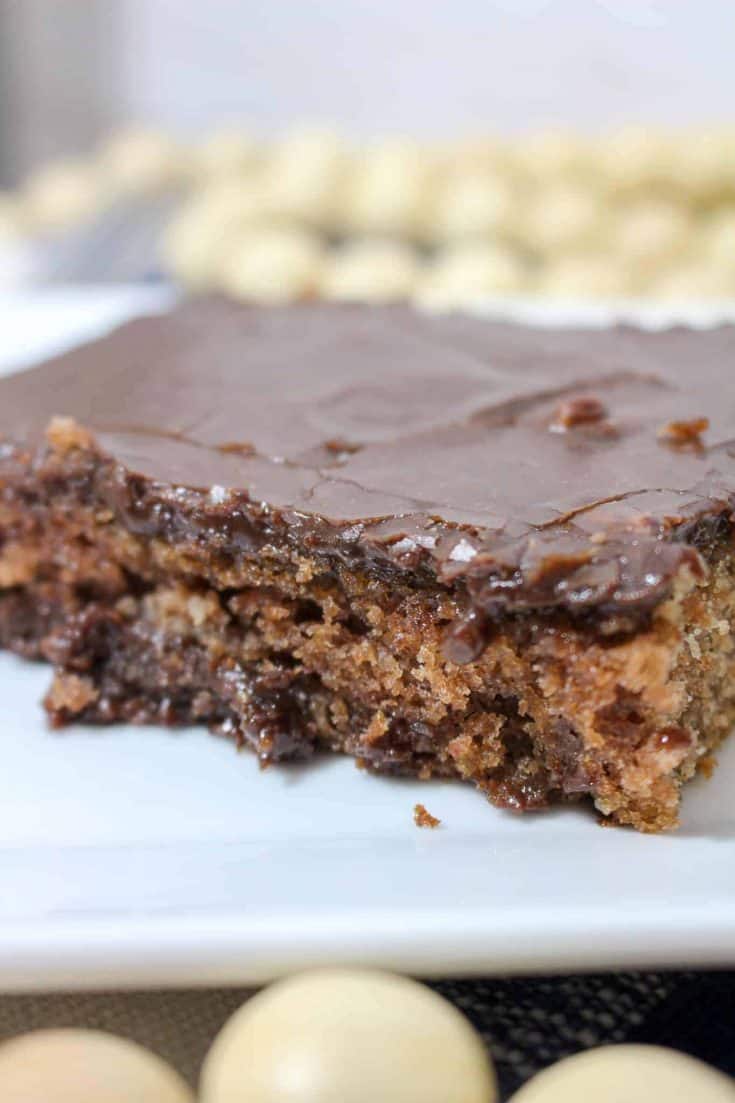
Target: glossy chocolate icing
{"type": "Point", "coordinates": [544, 468]}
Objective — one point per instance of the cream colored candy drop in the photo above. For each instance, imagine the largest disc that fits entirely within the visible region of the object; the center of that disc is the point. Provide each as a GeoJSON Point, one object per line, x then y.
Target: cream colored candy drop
{"type": "Point", "coordinates": [62, 194]}
{"type": "Point", "coordinates": [628, 1074]}
{"type": "Point", "coordinates": [235, 200]}
{"type": "Point", "coordinates": [139, 161]}
{"type": "Point", "coordinates": [386, 191]}
{"type": "Point", "coordinates": [470, 205]}
{"type": "Point", "coordinates": [695, 280]}
{"type": "Point", "coordinates": [309, 149]}
{"type": "Point", "coordinates": [633, 159]}
{"type": "Point", "coordinates": [478, 154]}
{"type": "Point", "coordinates": [85, 1066]}
{"type": "Point", "coordinates": [651, 232]}
{"type": "Point", "coordinates": [347, 1036]}
{"type": "Point", "coordinates": [466, 274]}
{"type": "Point", "coordinates": [563, 218]}
{"type": "Point", "coordinates": [202, 231]}
{"type": "Point", "coordinates": [552, 155]}
{"type": "Point", "coordinates": [193, 249]}
{"type": "Point", "coordinates": [717, 240]}
{"type": "Point", "coordinates": [272, 265]}
{"type": "Point", "coordinates": [227, 151]}
{"type": "Point", "coordinates": [370, 271]}
{"type": "Point", "coordinates": [585, 276]}
{"type": "Point", "coordinates": [703, 163]}
{"type": "Point", "coordinates": [303, 173]}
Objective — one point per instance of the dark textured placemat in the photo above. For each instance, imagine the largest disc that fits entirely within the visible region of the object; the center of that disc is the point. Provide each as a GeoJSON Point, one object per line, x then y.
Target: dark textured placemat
{"type": "Point", "coordinates": [527, 1022]}
{"type": "Point", "coordinates": [530, 1023]}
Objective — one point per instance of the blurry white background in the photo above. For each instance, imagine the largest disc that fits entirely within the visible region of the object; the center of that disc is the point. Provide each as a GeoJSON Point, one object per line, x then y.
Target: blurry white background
{"type": "Point", "coordinates": [71, 71]}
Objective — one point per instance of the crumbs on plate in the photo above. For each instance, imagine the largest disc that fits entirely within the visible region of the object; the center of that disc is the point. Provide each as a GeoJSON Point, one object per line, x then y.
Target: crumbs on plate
{"type": "Point", "coordinates": [422, 818]}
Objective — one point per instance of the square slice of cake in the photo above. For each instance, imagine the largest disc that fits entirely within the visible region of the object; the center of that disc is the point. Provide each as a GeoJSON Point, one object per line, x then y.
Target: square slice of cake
{"type": "Point", "coordinates": [444, 545]}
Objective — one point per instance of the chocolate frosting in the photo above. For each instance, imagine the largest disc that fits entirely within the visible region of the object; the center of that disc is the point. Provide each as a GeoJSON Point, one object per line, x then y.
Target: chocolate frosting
{"type": "Point", "coordinates": [545, 468]}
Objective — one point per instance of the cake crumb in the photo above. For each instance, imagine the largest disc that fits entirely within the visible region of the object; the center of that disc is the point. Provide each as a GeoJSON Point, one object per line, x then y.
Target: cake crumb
{"type": "Point", "coordinates": [423, 818]}
{"type": "Point", "coordinates": [66, 435]}
{"type": "Point", "coordinates": [71, 694]}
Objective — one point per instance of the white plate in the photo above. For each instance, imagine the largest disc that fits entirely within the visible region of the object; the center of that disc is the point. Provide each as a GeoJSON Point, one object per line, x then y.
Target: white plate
{"type": "Point", "coordinates": [143, 857]}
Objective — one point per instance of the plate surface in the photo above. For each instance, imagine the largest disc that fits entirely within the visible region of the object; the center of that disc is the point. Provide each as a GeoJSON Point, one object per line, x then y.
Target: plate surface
{"type": "Point", "coordinates": [135, 856]}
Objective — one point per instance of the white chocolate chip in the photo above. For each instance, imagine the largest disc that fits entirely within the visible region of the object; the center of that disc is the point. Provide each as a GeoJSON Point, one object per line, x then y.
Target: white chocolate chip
{"type": "Point", "coordinates": [585, 276]}
{"type": "Point", "coordinates": [348, 1036]}
{"type": "Point", "coordinates": [466, 274]}
{"type": "Point", "coordinates": [628, 1074]}
{"type": "Point", "coordinates": [273, 265]}
{"type": "Point", "coordinates": [142, 162]}
{"type": "Point", "coordinates": [86, 1066]}
{"type": "Point", "coordinates": [202, 232]}
{"type": "Point", "coordinates": [387, 191]}
{"type": "Point", "coordinates": [695, 280]}
{"type": "Point", "coordinates": [718, 240]}
{"type": "Point", "coordinates": [470, 205]}
{"type": "Point", "coordinates": [553, 155]}
{"type": "Point", "coordinates": [370, 271]}
{"type": "Point", "coordinates": [634, 159]}
{"type": "Point", "coordinates": [303, 175]}
{"type": "Point", "coordinates": [650, 233]}
{"type": "Point", "coordinates": [226, 152]}
{"type": "Point", "coordinates": [62, 194]}
{"type": "Point", "coordinates": [703, 163]}
{"type": "Point", "coordinates": [564, 218]}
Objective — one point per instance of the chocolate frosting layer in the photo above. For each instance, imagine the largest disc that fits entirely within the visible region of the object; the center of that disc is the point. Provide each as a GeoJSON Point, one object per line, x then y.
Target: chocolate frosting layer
{"type": "Point", "coordinates": [546, 468]}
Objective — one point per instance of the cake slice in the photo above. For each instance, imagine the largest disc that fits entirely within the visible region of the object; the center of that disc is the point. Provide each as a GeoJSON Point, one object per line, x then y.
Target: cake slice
{"type": "Point", "coordinates": [446, 546]}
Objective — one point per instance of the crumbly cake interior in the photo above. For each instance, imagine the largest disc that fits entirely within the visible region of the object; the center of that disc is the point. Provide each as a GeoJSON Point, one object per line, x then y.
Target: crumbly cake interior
{"type": "Point", "coordinates": [291, 652]}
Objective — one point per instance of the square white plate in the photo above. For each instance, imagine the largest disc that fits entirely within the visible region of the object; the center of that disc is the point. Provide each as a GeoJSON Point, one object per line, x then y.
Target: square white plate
{"type": "Point", "coordinates": [136, 856]}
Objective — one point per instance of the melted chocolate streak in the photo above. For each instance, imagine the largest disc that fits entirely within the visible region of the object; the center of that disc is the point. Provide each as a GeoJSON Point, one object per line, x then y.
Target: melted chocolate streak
{"type": "Point", "coordinates": [351, 411]}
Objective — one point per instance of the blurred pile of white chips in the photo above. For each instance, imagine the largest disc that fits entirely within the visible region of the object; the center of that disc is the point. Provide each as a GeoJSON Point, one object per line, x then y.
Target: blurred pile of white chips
{"type": "Point", "coordinates": [639, 213]}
